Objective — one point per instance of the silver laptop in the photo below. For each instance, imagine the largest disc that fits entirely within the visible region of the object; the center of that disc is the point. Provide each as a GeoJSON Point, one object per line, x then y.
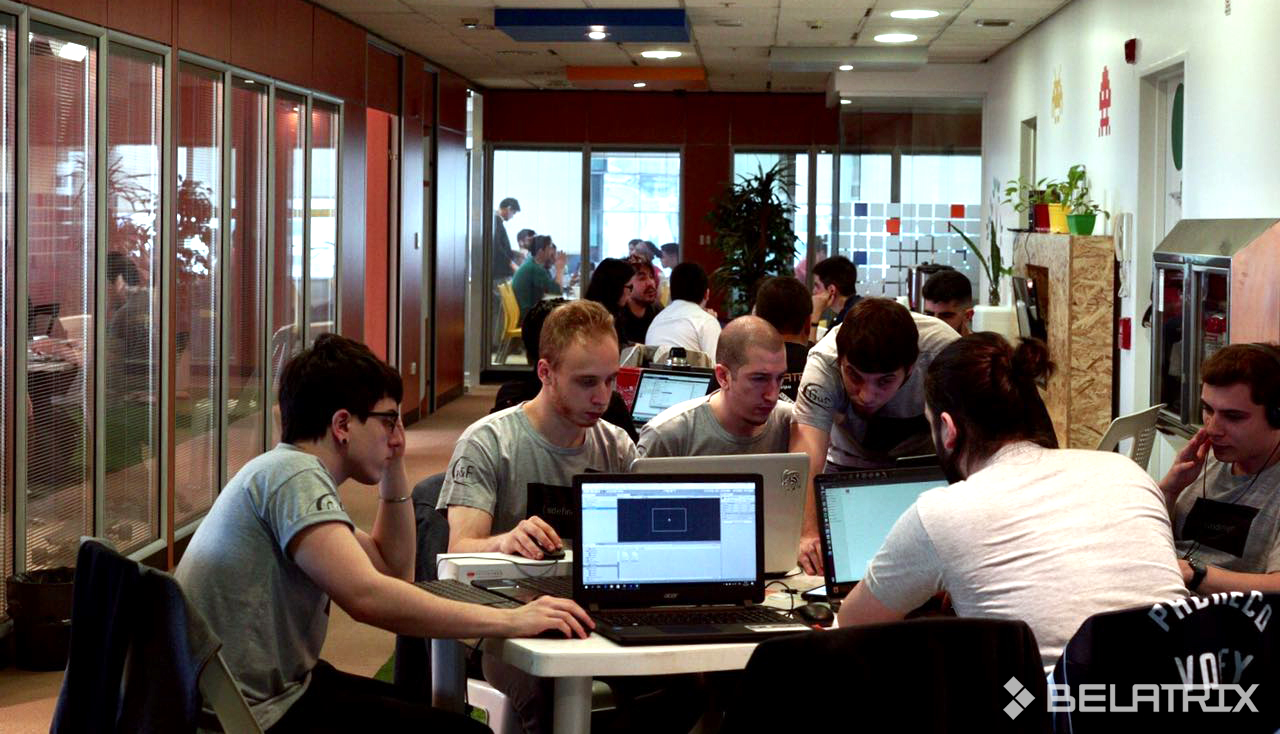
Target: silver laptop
{"type": "Point", "coordinates": [785, 478]}
{"type": "Point", "coordinates": [660, 389]}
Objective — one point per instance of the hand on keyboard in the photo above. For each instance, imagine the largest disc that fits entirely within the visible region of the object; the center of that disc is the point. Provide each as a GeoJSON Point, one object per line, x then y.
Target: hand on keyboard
{"type": "Point", "coordinates": [549, 613]}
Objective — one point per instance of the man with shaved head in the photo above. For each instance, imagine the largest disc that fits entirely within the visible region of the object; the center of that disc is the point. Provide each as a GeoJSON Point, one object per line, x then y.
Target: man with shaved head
{"type": "Point", "coordinates": [745, 415]}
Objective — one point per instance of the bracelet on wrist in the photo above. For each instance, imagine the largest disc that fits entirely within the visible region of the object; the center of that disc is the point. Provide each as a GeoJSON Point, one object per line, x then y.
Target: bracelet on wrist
{"type": "Point", "coordinates": [393, 499]}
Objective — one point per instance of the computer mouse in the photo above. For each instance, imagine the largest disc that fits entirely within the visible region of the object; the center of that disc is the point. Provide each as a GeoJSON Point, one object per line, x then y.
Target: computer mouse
{"type": "Point", "coordinates": [553, 555]}
{"type": "Point", "coordinates": [815, 613]}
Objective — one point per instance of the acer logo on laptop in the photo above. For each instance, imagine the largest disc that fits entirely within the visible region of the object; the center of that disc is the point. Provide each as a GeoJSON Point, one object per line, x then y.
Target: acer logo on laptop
{"type": "Point", "coordinates": [671, 595]}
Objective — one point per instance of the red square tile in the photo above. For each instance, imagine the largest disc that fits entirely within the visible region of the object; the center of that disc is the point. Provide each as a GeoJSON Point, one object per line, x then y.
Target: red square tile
{"type": "Point", "coordinates": [957, 211]}
{"type": "Point", "coordinates": [893, 226]}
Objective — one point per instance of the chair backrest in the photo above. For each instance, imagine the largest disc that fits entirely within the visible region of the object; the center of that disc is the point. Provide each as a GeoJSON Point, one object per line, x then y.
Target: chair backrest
{"type": "Point", "coordinates": [139, 653]}
{"type": "Point", "coordinates": [924, 675]}
{"type": "Point", "coordinates": [1141, 427]}
{"type": "Point", "coordinates": [284, 343]}
{"type": "Point", "coordinates": [510, 307]}
{"type": "Point", "coordinates": [1223, 639]}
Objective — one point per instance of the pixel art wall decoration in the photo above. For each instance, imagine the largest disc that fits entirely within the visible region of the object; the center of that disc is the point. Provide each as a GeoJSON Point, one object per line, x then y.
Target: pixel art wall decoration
{"type": "Point", "coordinates": [1104, 104]}
{"type": "Point", "coordinates": [1056, 99]}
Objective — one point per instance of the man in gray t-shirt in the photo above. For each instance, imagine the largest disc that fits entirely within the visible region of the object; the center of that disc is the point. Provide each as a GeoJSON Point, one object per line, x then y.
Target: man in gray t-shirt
{"type": "Point", "coordinates": [745, 416]}
{"type": "Point", "coordinates": [277, 547]}
{"type": "Point", "coordinates": [861, 401]}
{"type": "Point", "coordinates": [1226, 509]}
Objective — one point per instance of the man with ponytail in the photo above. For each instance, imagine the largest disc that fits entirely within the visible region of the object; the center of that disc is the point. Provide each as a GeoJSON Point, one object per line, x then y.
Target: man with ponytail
{"type": "Point", "coordinates": [1027, 530]}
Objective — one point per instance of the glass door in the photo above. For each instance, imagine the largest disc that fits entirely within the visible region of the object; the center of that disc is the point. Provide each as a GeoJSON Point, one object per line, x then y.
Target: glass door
{"type": "Point", "coordinates": [1167, 331]}
{"type": "Point", "coordinates": [1213, 307]}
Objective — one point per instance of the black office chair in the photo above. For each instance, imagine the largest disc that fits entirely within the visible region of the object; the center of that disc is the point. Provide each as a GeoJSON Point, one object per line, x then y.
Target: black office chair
{"type": "Point", "coordinates": [1228, 640]}
{"type": "Point", "coordinates": [922, 675]}
{"type": "Point", "coordinates": [412, 670]}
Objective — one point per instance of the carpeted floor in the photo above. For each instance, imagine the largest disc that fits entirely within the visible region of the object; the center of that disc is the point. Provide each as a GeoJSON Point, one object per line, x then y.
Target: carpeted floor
{"type": "Point", "coordinates": [27, 699]}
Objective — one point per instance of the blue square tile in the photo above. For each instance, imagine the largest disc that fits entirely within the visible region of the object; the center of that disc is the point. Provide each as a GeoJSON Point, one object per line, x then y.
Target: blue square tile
{"type": "Point", "coordinates": [860, 257]}
{"type": "Point", "coordinates": [860, 209]}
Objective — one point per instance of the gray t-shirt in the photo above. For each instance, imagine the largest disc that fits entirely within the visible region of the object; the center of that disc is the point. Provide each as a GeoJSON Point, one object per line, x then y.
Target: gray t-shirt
{"type": "Point", "coordinates": [691, 429]}
{"type": "Point", "coordinates": [270, 615]}
{"type": "Point", "coordinates": [897, 429]}
{"type": "Point", "coordinates": [1048, 536]}
{"type": "Point", "coordinates": [1262, 547]}
{"type": "Point", "coordinates": [499, 455]}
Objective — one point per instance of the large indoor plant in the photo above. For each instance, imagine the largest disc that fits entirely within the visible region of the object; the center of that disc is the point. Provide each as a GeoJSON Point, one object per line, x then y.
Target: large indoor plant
{"type": "Point", "coordinates": [752, 219]}
{"type": "Point", "coordinates": [1082, 212]}
{"type": "Point", "coordinates": [993, 266]}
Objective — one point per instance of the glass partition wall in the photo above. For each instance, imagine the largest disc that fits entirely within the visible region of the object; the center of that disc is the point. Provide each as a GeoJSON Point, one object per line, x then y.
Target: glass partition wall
{"type": "Point", "coordinates": [138, 195]}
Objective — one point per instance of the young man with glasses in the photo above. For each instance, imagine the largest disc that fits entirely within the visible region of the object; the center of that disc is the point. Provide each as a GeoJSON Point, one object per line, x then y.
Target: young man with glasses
{"type": "Point", "coordinates": [278, 546]}
{"type": "Point", "coordinates": [861, 403]}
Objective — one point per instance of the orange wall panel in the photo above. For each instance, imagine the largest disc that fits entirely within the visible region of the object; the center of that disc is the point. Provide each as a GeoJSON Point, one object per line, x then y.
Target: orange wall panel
{"type": "Point", "coordinates": [204, 27]}
{"type": "Point", "coordinates": [377, 229]}
{"type": "Point", "coordinates": [151, 19]}
{"type": "Point", "coordinates": [90, 11]}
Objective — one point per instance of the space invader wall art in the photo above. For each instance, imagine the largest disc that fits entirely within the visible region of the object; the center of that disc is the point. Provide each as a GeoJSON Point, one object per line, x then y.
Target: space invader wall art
{"type": "Point", "coordinates": [1104, 104]}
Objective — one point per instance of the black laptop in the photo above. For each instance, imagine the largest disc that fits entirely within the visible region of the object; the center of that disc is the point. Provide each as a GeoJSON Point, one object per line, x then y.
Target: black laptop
{"type": "Point", "coordinates": [658, 390]}
{"type": "Point", "coordinates": [856, 511]}
{"type": "Point", "coordinates": [673, 559]}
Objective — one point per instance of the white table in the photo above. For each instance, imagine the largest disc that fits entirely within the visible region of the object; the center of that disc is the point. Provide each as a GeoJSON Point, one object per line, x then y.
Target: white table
{"type": "Point", "coordinates": [574, 663]}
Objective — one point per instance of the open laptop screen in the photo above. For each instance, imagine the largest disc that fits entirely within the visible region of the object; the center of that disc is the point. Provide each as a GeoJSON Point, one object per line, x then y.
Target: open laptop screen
{"type": "Point", "coordinates": [638, 532]}
{"type": "Point", "coordinates": [858, 509]}
{"type": "Point", "coordinates": [659, 390]}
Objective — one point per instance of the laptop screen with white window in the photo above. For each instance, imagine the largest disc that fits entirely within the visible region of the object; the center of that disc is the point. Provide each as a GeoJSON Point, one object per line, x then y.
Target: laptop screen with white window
{"type": "Point", "coordinates": [659, 390]}
{"type": "Point", "coordinates": [645, 531]}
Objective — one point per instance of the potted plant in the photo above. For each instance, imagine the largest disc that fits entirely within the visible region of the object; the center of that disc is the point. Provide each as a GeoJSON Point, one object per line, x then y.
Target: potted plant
{"type": "Point", "coordinates": [1082, 212]}
{"type": "Point", "coordinates": [994, 267]}
{"type": "Point", "coordinates": [1036, 198]}
{"type": "Point", "coordinates": [752, 219]}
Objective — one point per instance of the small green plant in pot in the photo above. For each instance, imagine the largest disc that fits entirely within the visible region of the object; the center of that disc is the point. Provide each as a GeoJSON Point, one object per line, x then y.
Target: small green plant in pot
{"type": "Point", "coordinates": [1035, 198]}
{"type": "Point", "coordinates": [1082, 212]}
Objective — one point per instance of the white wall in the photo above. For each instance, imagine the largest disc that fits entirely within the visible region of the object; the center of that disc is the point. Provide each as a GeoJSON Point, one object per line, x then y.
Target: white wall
{"type": "Point", "coordinates": [1232, 113]}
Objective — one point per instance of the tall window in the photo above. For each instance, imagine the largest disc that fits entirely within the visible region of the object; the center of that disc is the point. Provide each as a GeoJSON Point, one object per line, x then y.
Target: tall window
{"type": "Point", "coordinates": [290, 208]}
{"type": "Point", "coordinates": [546, 185]}
{"type": "Point", "coordinates": [322, 289]}
{"type": "Point", "coordinates": [250, 137]}
{"type": "Point", "coordinates": [61, 249]}
{"type": "Point", "coordinates": [634, 195]}
{"type": "Point", "coordinates": [198, 405]}
{"type": "Point", "coordinates": [131, 279]}
{"type": "Point", "coordinates": [8, 78]}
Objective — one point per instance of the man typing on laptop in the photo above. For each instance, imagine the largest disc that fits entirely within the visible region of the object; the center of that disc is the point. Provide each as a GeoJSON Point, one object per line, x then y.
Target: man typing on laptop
{"type": "Point", "coordinates": [1022, 515]}
{"type": "Point", "coordinates": [744, 416]}
{"type": "Point", "coordinates": [861, 403]}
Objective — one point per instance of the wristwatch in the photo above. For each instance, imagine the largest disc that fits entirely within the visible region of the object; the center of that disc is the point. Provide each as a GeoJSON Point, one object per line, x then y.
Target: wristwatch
{"type": "Point", "coordinates": [1198, 570]}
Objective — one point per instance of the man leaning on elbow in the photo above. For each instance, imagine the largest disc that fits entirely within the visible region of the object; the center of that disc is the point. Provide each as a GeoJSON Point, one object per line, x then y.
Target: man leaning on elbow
{"type": "Point", "coordinates": [1225, 508]}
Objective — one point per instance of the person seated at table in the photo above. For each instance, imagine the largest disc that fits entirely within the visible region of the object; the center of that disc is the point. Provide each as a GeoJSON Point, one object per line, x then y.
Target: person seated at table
{"type": "Point", "coordinates": [745, 415]}
{"type": "Point", "coordinates": [784, 302]}
{"type": "Point", "coordinates": [642, 303]}
{"type": "Point", "coordinates": [547, 440]}
{"type": "Point", "coordinates": [1026, 530]}
{"type": "Point", "coordinates": [532, 281]}
{"type": "Point", "coordinates": [835, 291]}
{"type": "Point", "coordinates": [948, 295]}
{"type": "Point", "coordinates": [861, 403]}
{"type": "Point", "coordinates": [527, 386]}
{"type": "Point", "coordinates": [277, 547]}
{"type": "Point", "coordinates": [611, 284]}
{"type": "Point", "coordinates": [1226, 508]}
{"type": "Point", "coordinates": [686, 323]}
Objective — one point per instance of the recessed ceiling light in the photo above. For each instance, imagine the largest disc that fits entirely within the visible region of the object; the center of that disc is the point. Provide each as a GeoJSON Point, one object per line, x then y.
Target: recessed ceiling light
{"type": "Point", "coordinates": [846, 67]}
{"type": "Point", "coordinates": [597, 33]}
{"type": "Point", "coordinates": [639, 85]}
{"type": "Point", "coordinates": [471, 23]}
{"type": "Point", "coordinates": [660, 54]}
{"type": "Point", "coordinates": [846, 101]}
{"type": "Point", "coordinates": [993, 22]}
{"type": "Point", "coordinates": [895, 38]}
{"type": "Point", "coordinates": [914, 14]}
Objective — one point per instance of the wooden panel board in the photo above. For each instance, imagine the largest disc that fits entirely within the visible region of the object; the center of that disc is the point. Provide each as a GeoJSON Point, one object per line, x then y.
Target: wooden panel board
{"type": "Point", "coordinates": [1255, 293]}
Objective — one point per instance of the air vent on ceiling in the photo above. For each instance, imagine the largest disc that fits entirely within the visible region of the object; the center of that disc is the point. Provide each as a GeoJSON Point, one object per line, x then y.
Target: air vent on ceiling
{"type": "Point", "coordinates": [729, 23]}
{"type": "Point", "coordinates": [993, 22]}
{"type": "Point", "coordinates": [517, 52]}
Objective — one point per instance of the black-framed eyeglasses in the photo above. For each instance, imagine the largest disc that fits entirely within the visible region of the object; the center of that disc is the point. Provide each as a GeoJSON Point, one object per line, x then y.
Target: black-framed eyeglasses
{"type": "Point", "coordinates": [390, 418]}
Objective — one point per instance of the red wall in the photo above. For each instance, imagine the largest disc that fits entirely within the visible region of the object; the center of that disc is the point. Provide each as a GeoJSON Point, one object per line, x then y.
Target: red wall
{"type": "Point", "coordinates": [451, 234]}
{"type": "Point", "coordinates": [705, 126]}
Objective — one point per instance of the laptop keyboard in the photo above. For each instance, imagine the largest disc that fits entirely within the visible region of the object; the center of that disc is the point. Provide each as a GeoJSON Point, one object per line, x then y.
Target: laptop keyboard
{"type": "Point", "coordinates": [745, 615]}
{"type": "Point", "coordinates": [464, 592]}
{"type": "Point", "coordinates": [561, 586]}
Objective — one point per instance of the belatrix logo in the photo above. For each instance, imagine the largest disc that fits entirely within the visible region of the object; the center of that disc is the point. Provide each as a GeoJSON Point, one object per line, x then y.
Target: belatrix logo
{"type": "Point", "coordinates": [1022, 698]}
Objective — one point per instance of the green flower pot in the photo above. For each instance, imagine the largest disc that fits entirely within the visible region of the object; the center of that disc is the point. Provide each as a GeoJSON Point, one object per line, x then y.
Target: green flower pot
{"type": "Point", "coordinates": [1081, 223]}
